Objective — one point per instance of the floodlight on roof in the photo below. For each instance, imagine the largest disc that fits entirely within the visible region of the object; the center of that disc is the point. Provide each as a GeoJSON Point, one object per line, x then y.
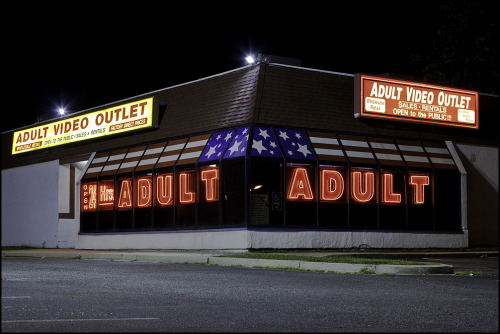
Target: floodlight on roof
{"type": "Point", "coordinates": [61, 111]}
{"type": "Point", "coordinates": [250, 60]}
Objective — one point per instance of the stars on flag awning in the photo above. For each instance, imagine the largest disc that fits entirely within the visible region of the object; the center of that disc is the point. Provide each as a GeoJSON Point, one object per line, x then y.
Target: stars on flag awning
{"type": "Point", "coordinates": [264, 143]}
{"type": "Point", "coordinates": [217, 145]}
{"type": "Point", "coordinates": [238, 146]}
{"type": "Point", "coordinates": [295, 144]}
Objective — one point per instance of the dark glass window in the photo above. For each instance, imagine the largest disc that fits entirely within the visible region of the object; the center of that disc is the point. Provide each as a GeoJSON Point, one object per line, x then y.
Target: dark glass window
{"type": "Point", "coordinates": [447, 199]}
{"type": "Point", "coordinates": [333, 192]}
{"type": "Point", "coordinates": [164, 199]}
{"type": "Point", "coordinates": [208, 196]}
{"type": "Point", "coordinates": [265, 191]}
{"type": "Point", "coordinates": [105, 204]}
{"type": "Point", "coordinates": [420, 200]}
{"type": "Point", "coordinates": [88, 206]}
{"type": "Point", "coordinates": [233, 196]}
{"type": "Point", "coordinates": [301, 196]}
{"type": "Point", "coordinates": [363, 184]}
{"type": "Point", "coordinates": [143, 201]}
{"type": "Point", "coordinates": [124, 203]}
{"type": "Point", "coordinates": [392, 190]}
{"type": "Point", "coordinates": [185, 198]}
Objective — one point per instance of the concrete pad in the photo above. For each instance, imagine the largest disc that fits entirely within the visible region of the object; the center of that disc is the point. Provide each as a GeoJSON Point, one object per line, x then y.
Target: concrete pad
{"type": "Point", "coordinates": [438, 269]}
{"type": "Point", "coordinates": [252, 263]}
{"type": "Point", "coordinates": [336, 267]}
{"type": "Point", "coordinates": [170, 258]}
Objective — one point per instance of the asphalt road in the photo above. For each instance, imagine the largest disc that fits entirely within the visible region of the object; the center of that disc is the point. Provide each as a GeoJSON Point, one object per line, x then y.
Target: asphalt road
{"type": "Point", "coordinates": [56, 295]}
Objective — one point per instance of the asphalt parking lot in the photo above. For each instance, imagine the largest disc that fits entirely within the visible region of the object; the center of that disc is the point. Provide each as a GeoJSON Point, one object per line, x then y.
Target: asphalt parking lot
{"type": "Point", "coordinates": [76, 295]}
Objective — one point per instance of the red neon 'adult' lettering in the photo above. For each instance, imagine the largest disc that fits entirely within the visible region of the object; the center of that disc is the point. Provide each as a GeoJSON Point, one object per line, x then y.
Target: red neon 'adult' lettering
{"type": "Point", "coordinates": [300, 185]}
{"type": "Point", "coordinates": [332, 185]}
{"type": "Point", "coordinates": [144, 192]}
{"type": "Point", "coordinates": [388, 196]}
{"type": "Point", "coordinates": [185, 185]}
{"type": "Point", "coordinates": [418, 183]}
{"type": "Point", "coordinates": [362, 186]}
{"type": "Point", "coordinates": [211, 178]}
{"type": "Point", "coordinates": [125, 199]}
{"type": "Point", "coordinates": [164, 191]}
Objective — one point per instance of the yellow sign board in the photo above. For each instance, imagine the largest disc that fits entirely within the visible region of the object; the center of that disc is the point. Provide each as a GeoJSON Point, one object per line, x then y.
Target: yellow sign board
{"type": "Point", "coordinates": [126, 117]}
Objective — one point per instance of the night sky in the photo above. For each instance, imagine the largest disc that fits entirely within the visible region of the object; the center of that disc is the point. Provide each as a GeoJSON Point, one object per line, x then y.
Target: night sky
{"type": "Point", "coordinates": [86, 55]}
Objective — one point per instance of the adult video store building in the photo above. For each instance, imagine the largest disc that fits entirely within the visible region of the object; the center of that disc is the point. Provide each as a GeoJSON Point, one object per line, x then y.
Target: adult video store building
{"type": "Point", "coordinates": [264, 156]}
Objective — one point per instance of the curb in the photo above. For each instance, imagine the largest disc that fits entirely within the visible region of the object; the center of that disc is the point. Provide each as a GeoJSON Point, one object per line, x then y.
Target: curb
{"type": "Point", "coordinates": [348, 268]}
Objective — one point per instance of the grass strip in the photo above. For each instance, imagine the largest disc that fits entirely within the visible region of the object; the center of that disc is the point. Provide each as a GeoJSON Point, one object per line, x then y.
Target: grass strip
{"type": "Point", "coordinates": [328, 259]}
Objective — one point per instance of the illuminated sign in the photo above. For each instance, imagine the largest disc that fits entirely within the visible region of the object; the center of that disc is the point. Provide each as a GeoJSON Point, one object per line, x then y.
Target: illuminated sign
{"type": "Point", "coordinates": [126, 117]}
{"type": "Point", "coordinates": [142, 194]}
{"type": "Point", "coordinates": [414, 102]}
{"type": "Point", "coordinates": [362, 187]}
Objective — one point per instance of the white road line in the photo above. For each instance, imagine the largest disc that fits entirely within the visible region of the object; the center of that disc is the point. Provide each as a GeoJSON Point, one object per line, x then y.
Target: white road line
{"type": "Point", "coordinates": [55, 320]}
{"type": "Point", "coordinates": [18, 297]}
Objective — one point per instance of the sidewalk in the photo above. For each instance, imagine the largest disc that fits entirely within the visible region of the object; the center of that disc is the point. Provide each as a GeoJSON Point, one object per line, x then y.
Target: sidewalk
{"type": "Point", "coordinates": [215, 257]}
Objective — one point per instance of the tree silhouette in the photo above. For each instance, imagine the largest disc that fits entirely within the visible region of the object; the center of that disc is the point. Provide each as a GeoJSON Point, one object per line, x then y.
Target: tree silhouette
{"type": "Point", "coordinates": [465, 47]}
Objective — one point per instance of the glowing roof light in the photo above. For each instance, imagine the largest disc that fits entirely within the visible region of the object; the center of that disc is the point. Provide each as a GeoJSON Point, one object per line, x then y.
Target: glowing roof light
{"type": "Point", "coordinates": [250, 60]}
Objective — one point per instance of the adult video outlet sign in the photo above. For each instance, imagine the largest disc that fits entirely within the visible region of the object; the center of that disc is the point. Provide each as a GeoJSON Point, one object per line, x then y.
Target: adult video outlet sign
{"type": "Point", "coordinates": [376, 97]}
{"type": "Point", "coordinates": [126, 117]}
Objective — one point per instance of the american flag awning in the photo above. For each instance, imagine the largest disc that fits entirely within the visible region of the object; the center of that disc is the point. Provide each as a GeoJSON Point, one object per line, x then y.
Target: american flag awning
{"type": "Point", "coordinates": [386, 151]}
{"type": "Point", "coordinates": [131, 160]}
{"type": "Point", "coordinates": [193, 149]}
{"type": "Point", "coordinates": [114, 161]}
{"type": "Point", "coordinates": [238, 146]}
{"type": "Point", "coordinates": [413, 153]}
{"type": "Point", "coordinates": [439, 155]}
{"type": "Point", "coordinates": [295, 144]}
{"type": "Point", "coordinates": [271, 142]}
{"type": "Point", "coordinates": [216, 146]}
{"type": "Point", "coordinates": [150, 156]}
{"type": "Point", "coordinates": [357, 149]}
{"type": "Point", "coordinates": [326, 146]}
{"type": "Point", "coordinates": [264, 143]}
{"type": "Point", "coordinates": [171, 153]}
{"type": "Point", "coordinates": [96, 165]}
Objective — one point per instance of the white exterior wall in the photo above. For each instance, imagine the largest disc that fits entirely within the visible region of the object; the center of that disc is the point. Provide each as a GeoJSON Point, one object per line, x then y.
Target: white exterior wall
{"type": "Point", "coordinates": [30, 211]}
{"type": "Point", "coordinates": [335, 239]}
{"type": "Point", "coordinates": [213, 239]}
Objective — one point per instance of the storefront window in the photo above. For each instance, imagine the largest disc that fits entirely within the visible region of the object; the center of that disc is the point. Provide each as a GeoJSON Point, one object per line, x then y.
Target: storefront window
{"type": "Point", "coordinates": [301, 195]}
{"type": "Point", "coordinates": [208, 195]}
{"type": "Point", "coordinates": [392, 192]}
{"type": "Point", "coordinates": [265, 190]}
{"type": "Point", "coordinates": [363, 198]}
{"type": "Point", "coordinates": [233, 196]}
{"type": "Point", "coordinates": [164, 204]}
{"type": "Point", "coordinates": [124, 209]}
{"type": "Point", "coordinates": [420, 200]}
{"type": "Point", "coordinates": [143, 201]}
{"type": "Point", "coordinates": [447, 199]}
{"type": "Point", "coordinates": [186, 198]}
{"type": "Point", "coordinates": [88, 206]}
{"type": "Point", "coordinates": [333, 192]}
{"type": "Point", "coordinates": [105, 204]}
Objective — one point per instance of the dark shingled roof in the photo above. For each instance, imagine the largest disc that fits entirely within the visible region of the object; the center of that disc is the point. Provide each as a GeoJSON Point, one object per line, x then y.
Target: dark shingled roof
{"type": "Point", "coordinates": [264, 93]}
